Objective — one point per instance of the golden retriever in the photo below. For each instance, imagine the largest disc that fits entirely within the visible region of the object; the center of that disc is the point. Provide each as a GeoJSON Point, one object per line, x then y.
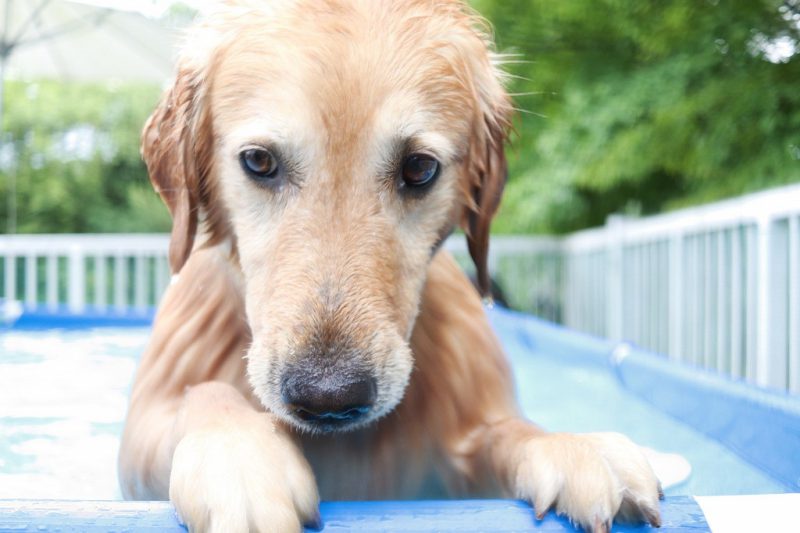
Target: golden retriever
{"type": "Point", "coordinates": [315, 341]}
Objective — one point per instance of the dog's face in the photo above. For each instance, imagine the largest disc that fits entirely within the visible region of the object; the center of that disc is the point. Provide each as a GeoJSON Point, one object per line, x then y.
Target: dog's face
{"type": "Point", "coordinates": [335, 144]}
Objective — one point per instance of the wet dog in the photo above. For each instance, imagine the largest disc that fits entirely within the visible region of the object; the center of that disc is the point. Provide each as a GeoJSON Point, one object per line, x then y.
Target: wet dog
{"type": "Point", "coordinates": [315, 341]}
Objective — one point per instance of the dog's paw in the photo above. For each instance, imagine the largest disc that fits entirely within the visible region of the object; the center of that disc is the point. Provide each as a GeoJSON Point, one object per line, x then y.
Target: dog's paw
{"type": "Point", "coordinates": [591, 478]}
{"type": "Point", "coordinates": [225, 480]}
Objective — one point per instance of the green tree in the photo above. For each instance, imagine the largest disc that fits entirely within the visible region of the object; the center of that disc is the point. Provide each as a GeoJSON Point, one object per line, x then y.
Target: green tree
{"type": "Point", "coordinates": [74, 150]}
{"type": "Point", "coordinates": [645, 106]}
{"type": "Point", "coordinates": [625, 106]}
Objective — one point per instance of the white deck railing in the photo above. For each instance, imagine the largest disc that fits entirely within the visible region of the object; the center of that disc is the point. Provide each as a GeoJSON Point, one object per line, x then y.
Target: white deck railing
{"type": "Point", "coordinates": [529, 271]}
{"type": "Point", "coordinates": [717, 286]}
{"type": "Point", "coordinates": [115, 272]}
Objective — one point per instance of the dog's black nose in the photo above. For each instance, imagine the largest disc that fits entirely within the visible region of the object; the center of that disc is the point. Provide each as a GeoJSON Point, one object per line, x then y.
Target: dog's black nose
{"type": "Point", "coordinates": [328, 400]}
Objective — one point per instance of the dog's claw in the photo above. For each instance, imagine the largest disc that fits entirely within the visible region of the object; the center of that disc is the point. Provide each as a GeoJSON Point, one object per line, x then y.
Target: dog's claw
{"type": "Point", "coordinates": [543, 501]}
{"type": "Point", "coordinates": [544, 510]}
{"type": "Point", "coordinates": [541, 510]}
{"type": "Point", "coordinates": [601, 526]}
{"type": "Point", "coordinates": [653, 517]}
{"type": "Point", "coordinates": [315, 522]}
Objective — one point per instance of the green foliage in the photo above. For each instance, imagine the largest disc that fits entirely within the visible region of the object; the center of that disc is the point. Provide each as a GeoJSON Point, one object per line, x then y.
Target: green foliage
{"type": "Point", "coordinates": [74, 150]}
{"type": "Point", "coordinates": [644, 106]}
{"type": "Point", "coordinates": [625, 106]}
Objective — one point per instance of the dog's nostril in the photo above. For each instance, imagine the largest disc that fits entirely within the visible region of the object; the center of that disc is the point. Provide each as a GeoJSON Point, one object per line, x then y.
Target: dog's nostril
{"type": "Point", "coordinates": [328, 400]}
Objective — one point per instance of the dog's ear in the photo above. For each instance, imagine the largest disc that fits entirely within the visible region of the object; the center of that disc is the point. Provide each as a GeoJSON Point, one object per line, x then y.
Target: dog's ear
{"type": "Point", "coordinates": [174, 148]}
{"type": "Point", "coordinates": [486, 168]}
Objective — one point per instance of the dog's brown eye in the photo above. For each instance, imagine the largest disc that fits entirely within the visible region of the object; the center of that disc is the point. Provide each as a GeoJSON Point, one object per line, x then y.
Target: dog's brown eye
{"type": "Point", "coordinates": [419, 170]}
{"type": "Point", "coordinates": [259, 163]}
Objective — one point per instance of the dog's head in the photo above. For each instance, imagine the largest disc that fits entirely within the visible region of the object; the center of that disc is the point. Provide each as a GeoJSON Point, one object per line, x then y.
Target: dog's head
{"type": "Point", "coordinates": [335, 144]}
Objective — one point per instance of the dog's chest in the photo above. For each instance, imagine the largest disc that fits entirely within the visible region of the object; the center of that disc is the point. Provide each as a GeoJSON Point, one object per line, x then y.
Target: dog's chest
{"type": "Point", "coordinates": [370, 465]}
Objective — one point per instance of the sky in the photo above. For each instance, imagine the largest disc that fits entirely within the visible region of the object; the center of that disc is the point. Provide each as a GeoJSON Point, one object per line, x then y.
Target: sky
{"type": "Point", "coordinates": [776, 50]}
{"type": "Point", "coordinates": [148, 7]}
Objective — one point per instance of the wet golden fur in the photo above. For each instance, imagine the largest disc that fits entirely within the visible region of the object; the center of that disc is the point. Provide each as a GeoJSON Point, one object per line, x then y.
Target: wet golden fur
{"type": "Point", "coordinates": [335, 260]}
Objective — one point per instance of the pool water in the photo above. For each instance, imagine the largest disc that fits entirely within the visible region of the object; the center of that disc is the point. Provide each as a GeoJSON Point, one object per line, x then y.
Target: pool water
{"type": "Point", "coordinates": [63, 398]}
{"type": "Point", "coordinates": [567, 397]}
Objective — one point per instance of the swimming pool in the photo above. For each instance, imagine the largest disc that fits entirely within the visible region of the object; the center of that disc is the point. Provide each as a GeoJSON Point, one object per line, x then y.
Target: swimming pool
{"type": "Point", "coordinates": [64, 395]}
{"type": "Point", "coordinates": [63, 392]}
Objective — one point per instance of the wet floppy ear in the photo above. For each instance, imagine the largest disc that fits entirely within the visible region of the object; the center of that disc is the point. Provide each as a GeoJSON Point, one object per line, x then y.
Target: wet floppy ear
{"type": "Point", "coordinates": [174, 149]}
{"type": "Point", "coordinates": [486, 167]}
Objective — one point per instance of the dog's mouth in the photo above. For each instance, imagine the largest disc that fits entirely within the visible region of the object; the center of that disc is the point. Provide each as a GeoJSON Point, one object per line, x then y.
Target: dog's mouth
{"type": "Point", "coordinates": [324, 403]}
{"type": "Point", "coordinates": [348, 415]}
{"type": "Point", "coordinates": [329, 422]}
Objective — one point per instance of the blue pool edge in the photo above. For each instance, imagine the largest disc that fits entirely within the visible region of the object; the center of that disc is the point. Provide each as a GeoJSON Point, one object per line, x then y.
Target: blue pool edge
{"type": "Point", "coordinates": [761, 426]}
{"type": "Point", "coordinates": [61, 317]}
{"type": "Point", "coordinates": [679, 514]}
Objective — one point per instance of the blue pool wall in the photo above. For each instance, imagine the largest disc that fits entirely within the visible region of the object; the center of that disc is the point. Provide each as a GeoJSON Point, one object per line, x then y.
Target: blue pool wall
{"type": "Point", "coordinates": [679, 514]}
{"type": "Point", "coordinates": [43, 318]}
{"type": "Point", "coordinates": [761, 426]}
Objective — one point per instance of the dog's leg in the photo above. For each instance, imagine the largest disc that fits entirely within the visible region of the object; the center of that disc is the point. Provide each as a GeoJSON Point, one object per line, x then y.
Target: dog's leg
{"type": "Point", "coordinates": [471, 411]}
{"type": "Point", "coordinates": [592, 478]}
{"type": "Point", "coordinates": [193, 433]}
{"type": "Point", "coordinates": [235, 469]}
{"type": "Point", "coordinates": [227, 466]}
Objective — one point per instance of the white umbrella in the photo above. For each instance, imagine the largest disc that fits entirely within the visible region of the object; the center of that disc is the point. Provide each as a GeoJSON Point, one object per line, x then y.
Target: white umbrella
{"type": "Point", "coordinates": [57, 39]}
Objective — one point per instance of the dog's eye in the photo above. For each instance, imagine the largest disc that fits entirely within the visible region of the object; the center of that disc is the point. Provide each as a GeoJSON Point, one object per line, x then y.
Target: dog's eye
{"type": "Point", "coordinates": [419, 170]}
{"type": "Point", "coordinates": [259, 163]}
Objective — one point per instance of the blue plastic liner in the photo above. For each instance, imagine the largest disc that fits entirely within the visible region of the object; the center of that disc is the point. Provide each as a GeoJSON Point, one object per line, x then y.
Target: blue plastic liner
{"type": "Point", "coordinates": [679, 514]}
{"type": "Point", "coordinates": [41, 318]}
{"type": "Point", "coordinates": [761, 426]}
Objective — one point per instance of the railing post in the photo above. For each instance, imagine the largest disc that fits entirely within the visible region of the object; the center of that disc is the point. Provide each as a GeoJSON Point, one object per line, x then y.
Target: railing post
{"type": "Point", "coordinates": [76, 295]}
{"type": "Point", "coordinates": [140, 280]}
{"type": "Point", "coordinates": [31, 280]}
{"type": "Point", "coordinates": [100, 282]}
{"type": "Point", "coordinates": [162, 277]}
{"type": "Point", "coordinates": [794, 304]}
{"type": "Point", "coordinates": [120, 281]}
{"type": "Point", "coordinates": [752, 260]}
{"type": "Point", "coordinates": [615, 236]}
{"type": "Point", "coordinates": [772, 314]}
{"type": "Point", "coordinates": [675, 296]}
{"type": "Point", "coordinates": [567, 288]}
{"type": "Point", "coordinates": [737, 306]}
{"type": "Point", "coordinates": [10, 276]}
{"type": "Point", "coordinates": [491, 263]}
{"type": "Point", "coordinates": [51, 285]}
